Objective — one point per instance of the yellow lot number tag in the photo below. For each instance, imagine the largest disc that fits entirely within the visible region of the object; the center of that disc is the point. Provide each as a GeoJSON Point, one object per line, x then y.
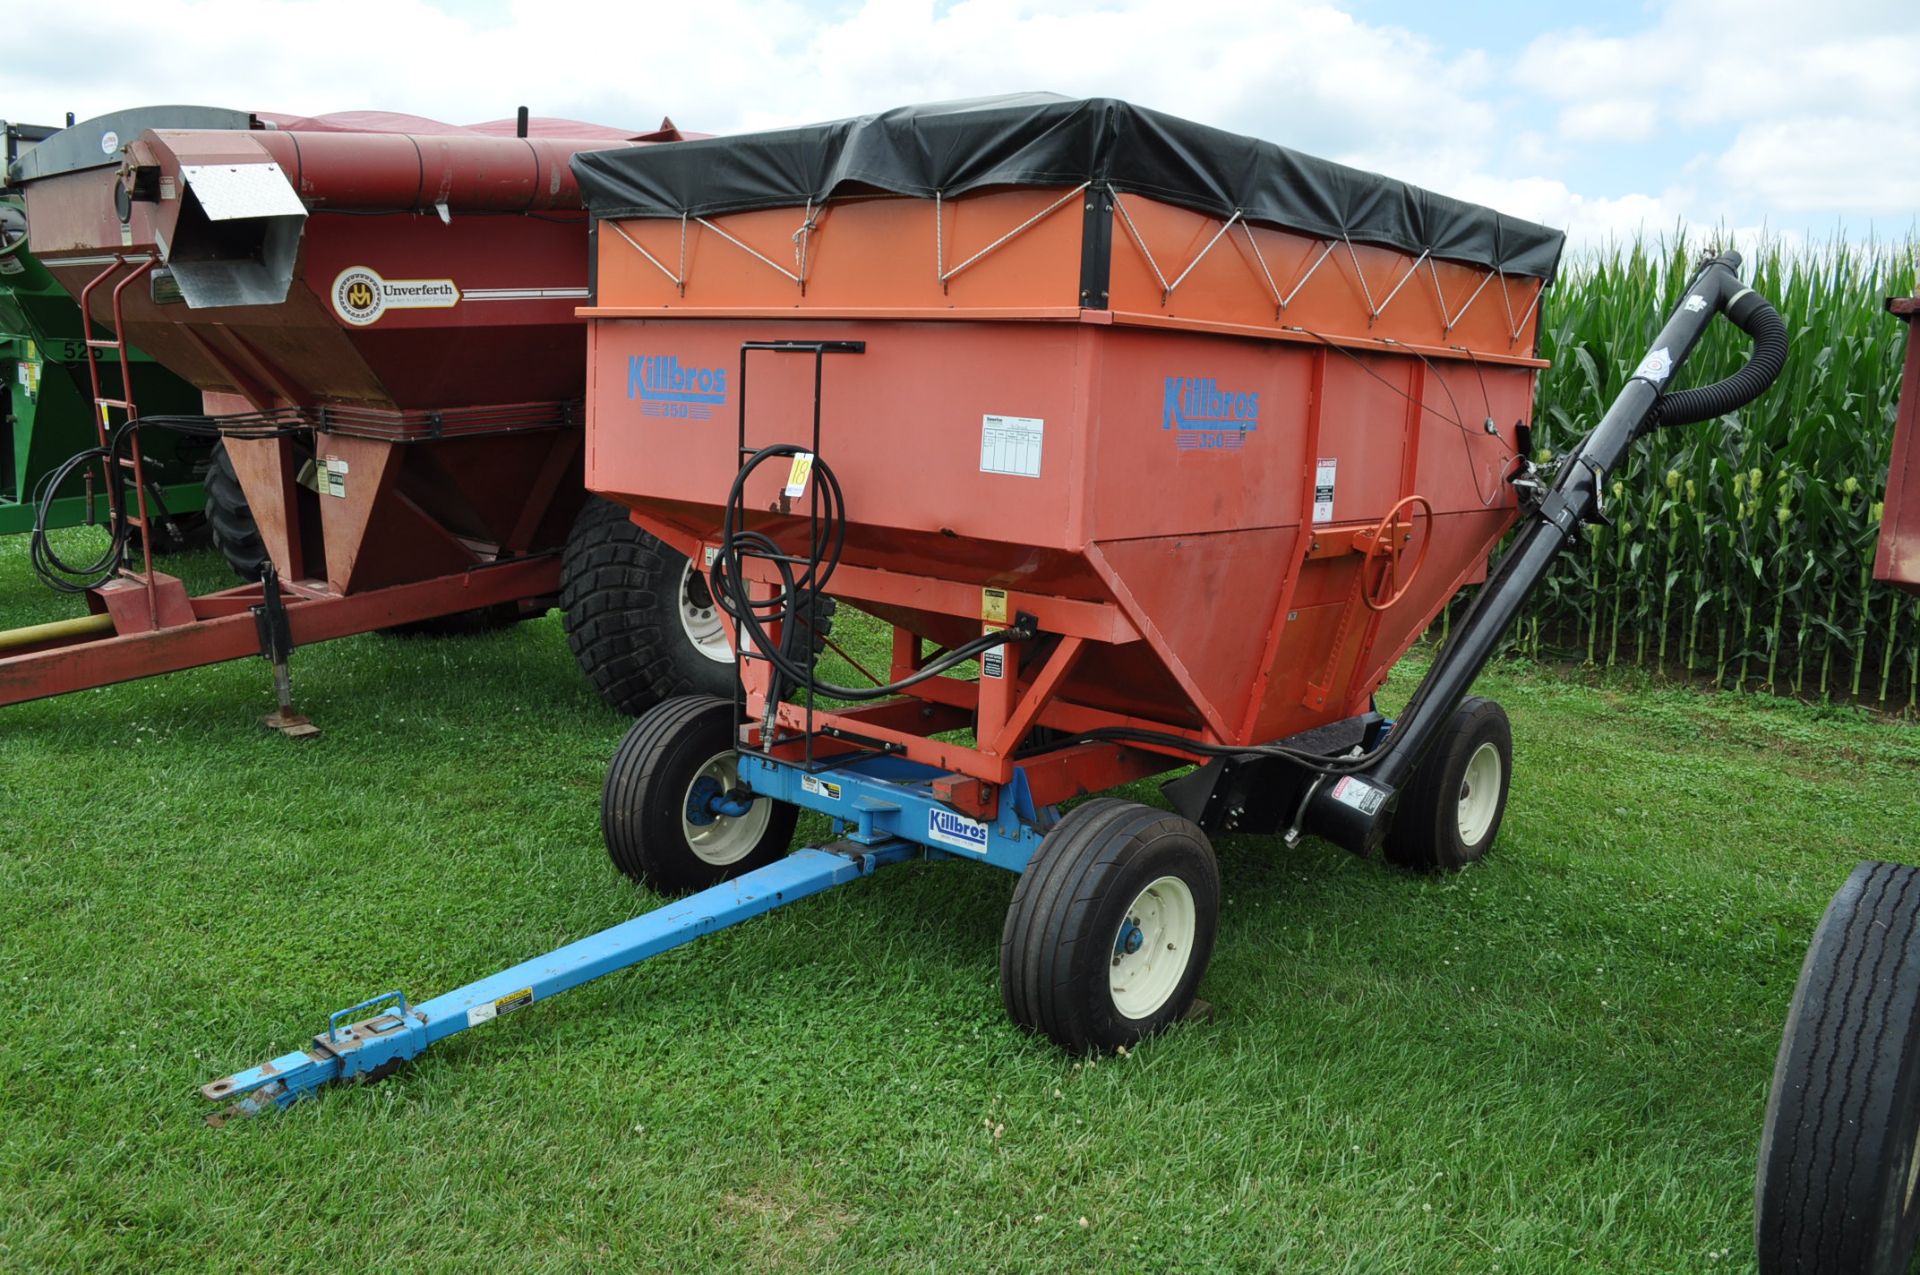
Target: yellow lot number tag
{"type": "Point", "coordinates": [798, 473]}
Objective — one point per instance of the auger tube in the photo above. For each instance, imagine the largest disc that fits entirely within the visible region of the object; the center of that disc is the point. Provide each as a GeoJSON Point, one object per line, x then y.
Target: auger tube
{"type": "Point", "coordinates": [1356, 811]}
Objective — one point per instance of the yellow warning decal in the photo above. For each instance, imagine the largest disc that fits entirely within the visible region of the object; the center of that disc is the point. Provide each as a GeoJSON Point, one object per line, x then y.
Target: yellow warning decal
{"type": "Point", "coordinates": [993, 606]}
{"type": "Point", "coordinates": [487, 1011]}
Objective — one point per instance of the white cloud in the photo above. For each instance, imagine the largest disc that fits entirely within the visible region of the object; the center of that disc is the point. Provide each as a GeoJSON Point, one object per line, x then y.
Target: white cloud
{"type": "Point", "coordinates": [1781, 97]}
{"type": "Point", "coordinates": [1610, 119]}
{"type": "Point", "coordinates": [1816, 107]}
{"type": "Point", "coordinates": [1817, 163]}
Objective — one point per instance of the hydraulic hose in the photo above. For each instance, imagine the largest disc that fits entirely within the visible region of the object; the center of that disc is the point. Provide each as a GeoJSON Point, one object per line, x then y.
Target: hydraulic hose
{"type": "Point", "coordinates": [794, 603]}
{"type": "Point", "coordinates": [1755, 316]}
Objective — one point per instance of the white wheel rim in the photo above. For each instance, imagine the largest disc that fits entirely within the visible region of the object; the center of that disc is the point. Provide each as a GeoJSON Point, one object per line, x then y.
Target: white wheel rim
{"type": "Point", "coordinates": [1913, 1171]}
{"type": "Point", "coordinates": [1479, 793]}
{"type": "Point", "coordinates": [726, 838]}
{"type": "Point", "coordinates": [1152, 947]}
{"type": "Point", "coordinates": [702, 622]}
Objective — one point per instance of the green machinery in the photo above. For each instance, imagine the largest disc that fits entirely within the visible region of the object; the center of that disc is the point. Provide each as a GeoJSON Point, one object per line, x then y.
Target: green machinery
{"type": "Point", "coordinates": [47, 402]}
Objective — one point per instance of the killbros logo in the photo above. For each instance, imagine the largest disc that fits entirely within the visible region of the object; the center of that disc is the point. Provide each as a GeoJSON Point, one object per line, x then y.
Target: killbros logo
{"type": "Point", "coordinates": [949, 828]}
{"type": "Point", "coordinates": [665, 388]}
{"type": "Point", "coordinates": [1206, 416]}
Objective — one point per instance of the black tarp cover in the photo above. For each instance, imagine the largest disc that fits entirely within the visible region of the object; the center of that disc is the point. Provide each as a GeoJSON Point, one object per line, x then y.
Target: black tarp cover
{"type": "Point", "coordinates": [1040, 139]}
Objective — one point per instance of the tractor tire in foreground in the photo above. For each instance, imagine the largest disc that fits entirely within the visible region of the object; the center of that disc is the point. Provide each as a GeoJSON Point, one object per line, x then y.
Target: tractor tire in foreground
{"type": "Point", "coordinates": [1450, 812]}
{"type": "Point", "coordinates": [1839, 1164]}
{"type": "Point", "coordinates": [1111, 927]}
{"type": "Point", "coordinates": [656, 811]}
{"type": "Point", "coordinates": [640, 621]}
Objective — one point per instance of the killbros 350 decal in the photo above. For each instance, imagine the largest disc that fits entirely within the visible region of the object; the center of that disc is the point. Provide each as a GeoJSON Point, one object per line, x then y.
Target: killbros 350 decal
{"type": "Point", "coordinates": [1206, 417]}
{"type": "Point", "coordinates": [664, 387]}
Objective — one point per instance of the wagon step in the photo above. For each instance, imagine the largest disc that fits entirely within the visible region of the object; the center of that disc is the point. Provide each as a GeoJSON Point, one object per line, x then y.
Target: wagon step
{"type": "Point", "coordinates": [365, 1049]}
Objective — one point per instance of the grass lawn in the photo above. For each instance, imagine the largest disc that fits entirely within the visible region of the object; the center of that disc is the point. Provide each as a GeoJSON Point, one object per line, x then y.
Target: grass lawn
{"type": "Point", "coordinates": [1555, 1061]}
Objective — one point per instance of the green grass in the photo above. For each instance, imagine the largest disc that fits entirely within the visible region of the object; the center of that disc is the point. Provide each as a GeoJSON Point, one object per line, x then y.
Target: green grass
{"type": "Point", "coordinates": [1556, 1061]}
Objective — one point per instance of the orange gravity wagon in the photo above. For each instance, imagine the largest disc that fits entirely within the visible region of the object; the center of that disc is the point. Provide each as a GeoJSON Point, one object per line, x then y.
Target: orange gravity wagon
{"type": "Point", "coordinates": [1155, 445]}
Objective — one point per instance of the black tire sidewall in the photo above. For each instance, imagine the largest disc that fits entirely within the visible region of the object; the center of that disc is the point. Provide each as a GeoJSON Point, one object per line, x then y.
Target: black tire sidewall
{"type": "Point", "coordinates": [642, 807]}
{"type": "Point", "coordinates": [1056, 948]}
{"type": "Point", "coordinates": [620, 606]}
{"type": "Point", "coordinates": [230, 521]}
{"type": "Point", "coordinates": [1426, 831]}
{"type": "Point", "coordinates": [1869, 1224]}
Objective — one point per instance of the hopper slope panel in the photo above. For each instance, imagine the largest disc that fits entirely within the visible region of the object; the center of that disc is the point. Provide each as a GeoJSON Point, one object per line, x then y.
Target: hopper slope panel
{"type": "Point", "coordinates": [1330, 642]}
{"type": "Point", "coordinates": [902, 424]}
{"type": "Point", "coordinates": [1205, 604]}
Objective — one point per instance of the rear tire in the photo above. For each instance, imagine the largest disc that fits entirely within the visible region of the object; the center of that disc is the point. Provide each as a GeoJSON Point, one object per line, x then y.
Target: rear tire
{"type": "Point", "coordinates": [1840, 1151]}
{"type": "Point", "coordinates": [640, 621]}
{"type": "Point", "coordinates": [1111, 927]}
{"type": "Point", "coordinates": [677, 756]}
{"type": "Point", "coordinates": [1450, 811]}
{"type": "Point", "coordinates": [230, 519]}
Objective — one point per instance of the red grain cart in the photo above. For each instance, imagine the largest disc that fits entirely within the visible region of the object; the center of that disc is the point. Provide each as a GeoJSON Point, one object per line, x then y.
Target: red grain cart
{"type": "Point", "coordinates": [379, 312]}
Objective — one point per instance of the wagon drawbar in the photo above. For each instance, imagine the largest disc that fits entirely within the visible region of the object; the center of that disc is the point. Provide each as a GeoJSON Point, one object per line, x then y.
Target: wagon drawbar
{"type": "Point", "coordinates": [1154, 445]}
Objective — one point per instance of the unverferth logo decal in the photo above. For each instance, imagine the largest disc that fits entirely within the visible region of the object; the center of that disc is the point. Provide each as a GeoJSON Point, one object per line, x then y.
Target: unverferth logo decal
{"type": "Point", "coordinates": [361, 296]}
{"type": "Point", "coordinates": [1206, 417]}
{"type": "Point", "coordinates": [665, 388]}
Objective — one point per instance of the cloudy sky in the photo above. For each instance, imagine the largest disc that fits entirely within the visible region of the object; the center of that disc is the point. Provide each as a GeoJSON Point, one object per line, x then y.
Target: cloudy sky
{"type": "Point", "coordinates": [1798, 116]}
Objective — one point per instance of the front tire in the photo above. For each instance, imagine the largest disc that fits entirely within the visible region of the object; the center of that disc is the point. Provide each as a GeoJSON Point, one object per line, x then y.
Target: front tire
{"type": "Point", "coordinates": [1450, 811]}
{"type": "Point", "coordinates": [656, 813]}
{"type": "Point", "coordinates": [1111, 927]}
{"type": "Point", "coordinates": [1839, 1181]}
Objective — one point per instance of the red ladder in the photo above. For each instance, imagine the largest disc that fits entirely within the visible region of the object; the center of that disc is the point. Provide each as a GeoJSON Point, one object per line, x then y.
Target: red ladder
{"type": "Point", "coordinates": [105, 426]}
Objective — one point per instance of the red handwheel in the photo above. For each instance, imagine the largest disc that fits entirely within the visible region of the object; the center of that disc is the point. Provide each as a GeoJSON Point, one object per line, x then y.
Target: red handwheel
{"type": "Point", "coordinates": [1384, 543]}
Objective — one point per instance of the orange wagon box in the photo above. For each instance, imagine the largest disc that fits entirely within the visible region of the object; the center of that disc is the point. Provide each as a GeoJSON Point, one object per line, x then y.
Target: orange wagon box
{"type": "Point", "coordinates": [1231, 422]}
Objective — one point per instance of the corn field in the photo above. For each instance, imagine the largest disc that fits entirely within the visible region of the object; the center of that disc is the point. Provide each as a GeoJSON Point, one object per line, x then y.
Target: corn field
{"type": "Point", "coordinates": [1741, 549]}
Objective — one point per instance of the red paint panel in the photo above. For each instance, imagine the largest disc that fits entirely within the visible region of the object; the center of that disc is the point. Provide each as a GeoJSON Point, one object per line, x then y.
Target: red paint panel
{"type": "Point", "coordinates": [1898, 559]}
{"type": "Point", "coordinates": [1193, 538]}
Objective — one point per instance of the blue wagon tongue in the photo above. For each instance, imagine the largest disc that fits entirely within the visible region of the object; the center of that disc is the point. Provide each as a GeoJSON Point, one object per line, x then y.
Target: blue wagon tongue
{"type": "Point", "coordinates": [367, 1049]}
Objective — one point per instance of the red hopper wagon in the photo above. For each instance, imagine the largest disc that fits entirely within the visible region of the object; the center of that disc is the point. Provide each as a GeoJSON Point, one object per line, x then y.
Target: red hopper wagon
{"type": "Point", "coordinates": [379, 311]}
{"type": "Point", "coordinates": [1155, 445]}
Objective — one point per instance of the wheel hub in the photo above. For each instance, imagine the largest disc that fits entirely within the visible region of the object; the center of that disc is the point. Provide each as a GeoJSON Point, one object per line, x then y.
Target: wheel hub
{"type": "Point", "coordinates": [1479, 793]}
{"type": "Point", "coordinates": [1152, 947]}
{"type": "Point", "coordinates": [718, 828]}
{"type": "Point", "coordinates": [700, 618]}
